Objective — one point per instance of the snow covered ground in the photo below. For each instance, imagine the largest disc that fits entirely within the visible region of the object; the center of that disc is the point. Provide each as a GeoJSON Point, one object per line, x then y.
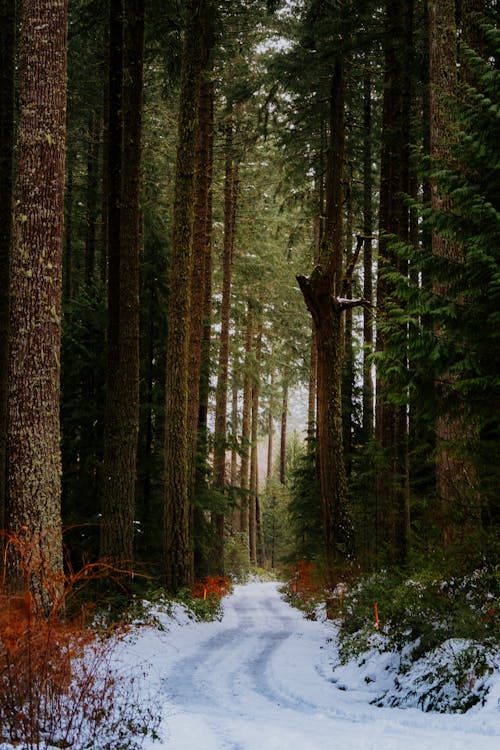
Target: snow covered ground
{"type": "Point", "coordinates": [263, 679]}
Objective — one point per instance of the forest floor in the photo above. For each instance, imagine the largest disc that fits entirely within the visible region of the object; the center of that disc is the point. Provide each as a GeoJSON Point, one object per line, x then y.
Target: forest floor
{"type": "Point", "coordinates": [263, 678]}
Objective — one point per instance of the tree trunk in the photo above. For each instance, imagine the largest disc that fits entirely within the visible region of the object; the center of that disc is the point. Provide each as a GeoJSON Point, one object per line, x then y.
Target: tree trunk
{"type": "Point", "coordinates": [201, 304]}
{"type": "Point", "coordinates": [313, 381]}
{"type": "Point", "coordinates": [201, 232]}
{"type": "Point", "coordinates": [322, 294]}
{"type": "Point", "coordinates": [34, 460]}
{"type": "Point", "coordinates": [7, 57]}
{"type": "Point", "coordinates": [230, 190]}
{"type": "Point", "coordinates": [393, 514]}
{"type": "Point", "coordinates": [94, 132]}
{"type": "Point", "coordinates": [236, 512]}
{"type": "Point", "coordinates": [177, 541]}
{"type": "Point", "coordinates": [283, 432]}
{"type": "Point", "coordinates": [245, 422]}
{"type": "Point", "coordinates": [456, 483]}
{"type": "Point", "coordinates": [367, 261]}
{"type": "Point", "coordinates": [254, 456]}
{"type": "Point", "coordinates": [270, 430]}
{"type": "Point", "coordinates": [261, 552]}
{"type": "Point", "coordinates": [348, 363]}
{"type": "Point", "coordinates": [207, 127]}
{"type": "Point", "coordinates": [122, 414]}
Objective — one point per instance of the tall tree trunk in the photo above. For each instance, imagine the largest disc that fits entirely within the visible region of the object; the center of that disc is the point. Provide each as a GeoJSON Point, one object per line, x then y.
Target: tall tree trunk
{"type": "Point", "coordinates": [367, 260]}
{"type": "Point", "coordinates": [261, 551]}
{"type": "Point", "coordinates": [201, 304]}
{"type": "Point", "coordinates": [471, 32]}
{"type": "Point", "coordinates": [94, 132]}
{"type": "Point", "coordinates": [393, 515]}
{"type": "Point", "coordinates": [313, 381]}
{"type": "Point", "coordinates": [177, 541]}
{"type": "Point", "coordinates": [207, 127]}
{"type": "Point", "coordinates": [456, 482]}
{"type": "Point", "coordinates": [323, 295]}
{"type": "Point", "coordinates": [245, 422]}
{"type": "Point", "coordinates": [270, 430]}
{"type": "Point", "coordinates": [68, 234]}
{"type": "Point", "coordinates": [201, 232]}
{"type": "Point", "coordinates": [254, 455]}
{"type": "Point", "coordinates": [34, 460]}
{"type": "Point", "coordinates": [122, 414]}
{"type": "Point", "coordinates": [110, 91]}
{"type": "Point", "coordinates": [348, 364]}
{"type": "Point", "coordinates": [7, 57]}
{"type": "Point", "coordinates": [230, 190]}
{"type": "Point", "coordinates": [283, 432]}
{"type": "Point", "coordinates": [236, 512]}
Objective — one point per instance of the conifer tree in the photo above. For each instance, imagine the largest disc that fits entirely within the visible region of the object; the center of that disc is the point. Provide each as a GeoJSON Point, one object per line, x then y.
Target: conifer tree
{"type": "Point", "coordinates": [177, 548]}
{"type": "Point", "coordinates": [34, 461]}
{"type": "Point", "coordinates": [393, 516]}
{"type": "Point", "coordinates": [124, 239]}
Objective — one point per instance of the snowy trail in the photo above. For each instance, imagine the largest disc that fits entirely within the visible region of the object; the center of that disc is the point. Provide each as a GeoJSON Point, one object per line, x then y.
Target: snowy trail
{"type": "Point", "coordinates": [262, 680]}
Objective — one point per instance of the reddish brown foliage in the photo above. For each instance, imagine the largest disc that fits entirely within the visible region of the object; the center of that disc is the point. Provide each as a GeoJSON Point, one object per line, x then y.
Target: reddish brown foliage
{"type": "Point", "coordinates": [212, 586]}
{"type": "Point", "coordinates": [56, 677]}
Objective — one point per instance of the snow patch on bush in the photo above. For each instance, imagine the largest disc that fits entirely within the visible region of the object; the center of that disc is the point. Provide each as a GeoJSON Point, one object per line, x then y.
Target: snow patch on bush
{"type": "Point", "coordinates": [452, 678]}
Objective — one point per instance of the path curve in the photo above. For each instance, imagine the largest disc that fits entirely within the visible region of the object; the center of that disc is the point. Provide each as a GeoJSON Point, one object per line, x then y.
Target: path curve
{"type": "Point", "coordinates": [262, 680]}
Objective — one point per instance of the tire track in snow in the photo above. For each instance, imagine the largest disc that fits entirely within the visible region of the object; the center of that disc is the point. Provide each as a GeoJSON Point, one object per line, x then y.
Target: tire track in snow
{"type": "Point", "coordinates": [259, 680]}
{"type": "Point", "coordinates": [222, 671]}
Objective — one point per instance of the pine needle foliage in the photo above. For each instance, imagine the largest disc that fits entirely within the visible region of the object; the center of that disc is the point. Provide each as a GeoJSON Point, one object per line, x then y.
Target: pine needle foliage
{"type": "Point", "coordinates": [447, 320]}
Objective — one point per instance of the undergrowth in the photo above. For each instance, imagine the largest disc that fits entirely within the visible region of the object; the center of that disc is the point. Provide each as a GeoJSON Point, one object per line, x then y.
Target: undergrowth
{"type": "Point", "coordinates": [202, 602]}
{"type": "Point", "coordinates": [443, 630]}
{"type": "Point", "coordinates": [60, 682]}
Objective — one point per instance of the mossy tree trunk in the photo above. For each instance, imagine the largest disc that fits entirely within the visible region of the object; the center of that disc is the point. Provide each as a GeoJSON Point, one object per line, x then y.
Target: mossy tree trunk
{"type": "Point", "coordinates": [34, 460]}
{"type": "Point", "coordinates": [124, 218]}
{"type": "Point", "coordinates": [7, 56]}
{"type": "Point", "coordinates": [177, 513]}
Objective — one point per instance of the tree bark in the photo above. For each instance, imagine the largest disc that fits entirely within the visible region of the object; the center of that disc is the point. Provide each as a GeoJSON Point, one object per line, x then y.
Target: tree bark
{"type": "Point", "coordinates": [368, 404]}
{"type": "Point", "coordinates": [122, 414]}
{"type": "Point", "coordinates": [270, 430]}
{"type": "Point", "coordinates": [245, 423]}
{"type": "Point", "coordinates": [94, 132]}
{"type": "Point", "coordinates": [236, 512]}
{"type": "Point", "coordinates": [201, 305]}
{"type": "Point", "coordinates": [34, 460]}
{"type": "Point", "coordinates": [7, 95]}
{"type": "Point", "coordinates": [348, 363]}
{"type": "Point", "coordinates": [283, 432]}
{"type": "Point", "coordinates": [321, 294]}
{"type": "Point", "coordinates": [220, 442]}
{"type": "Point", "coordinates": [393, 513]}
{"type": "Point", "coordinates": [177, 541]}
{"type": "Point", "coordinates": [68, 234]}
{"type": "Point", "coordinates": [254, 457]}
{"type": "Point", "coordinates": [456, 483]}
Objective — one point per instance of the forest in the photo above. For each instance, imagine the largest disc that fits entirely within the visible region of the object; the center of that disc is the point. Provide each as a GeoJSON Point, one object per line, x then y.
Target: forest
{"type": "Point", "coordinates": [250, 289]}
